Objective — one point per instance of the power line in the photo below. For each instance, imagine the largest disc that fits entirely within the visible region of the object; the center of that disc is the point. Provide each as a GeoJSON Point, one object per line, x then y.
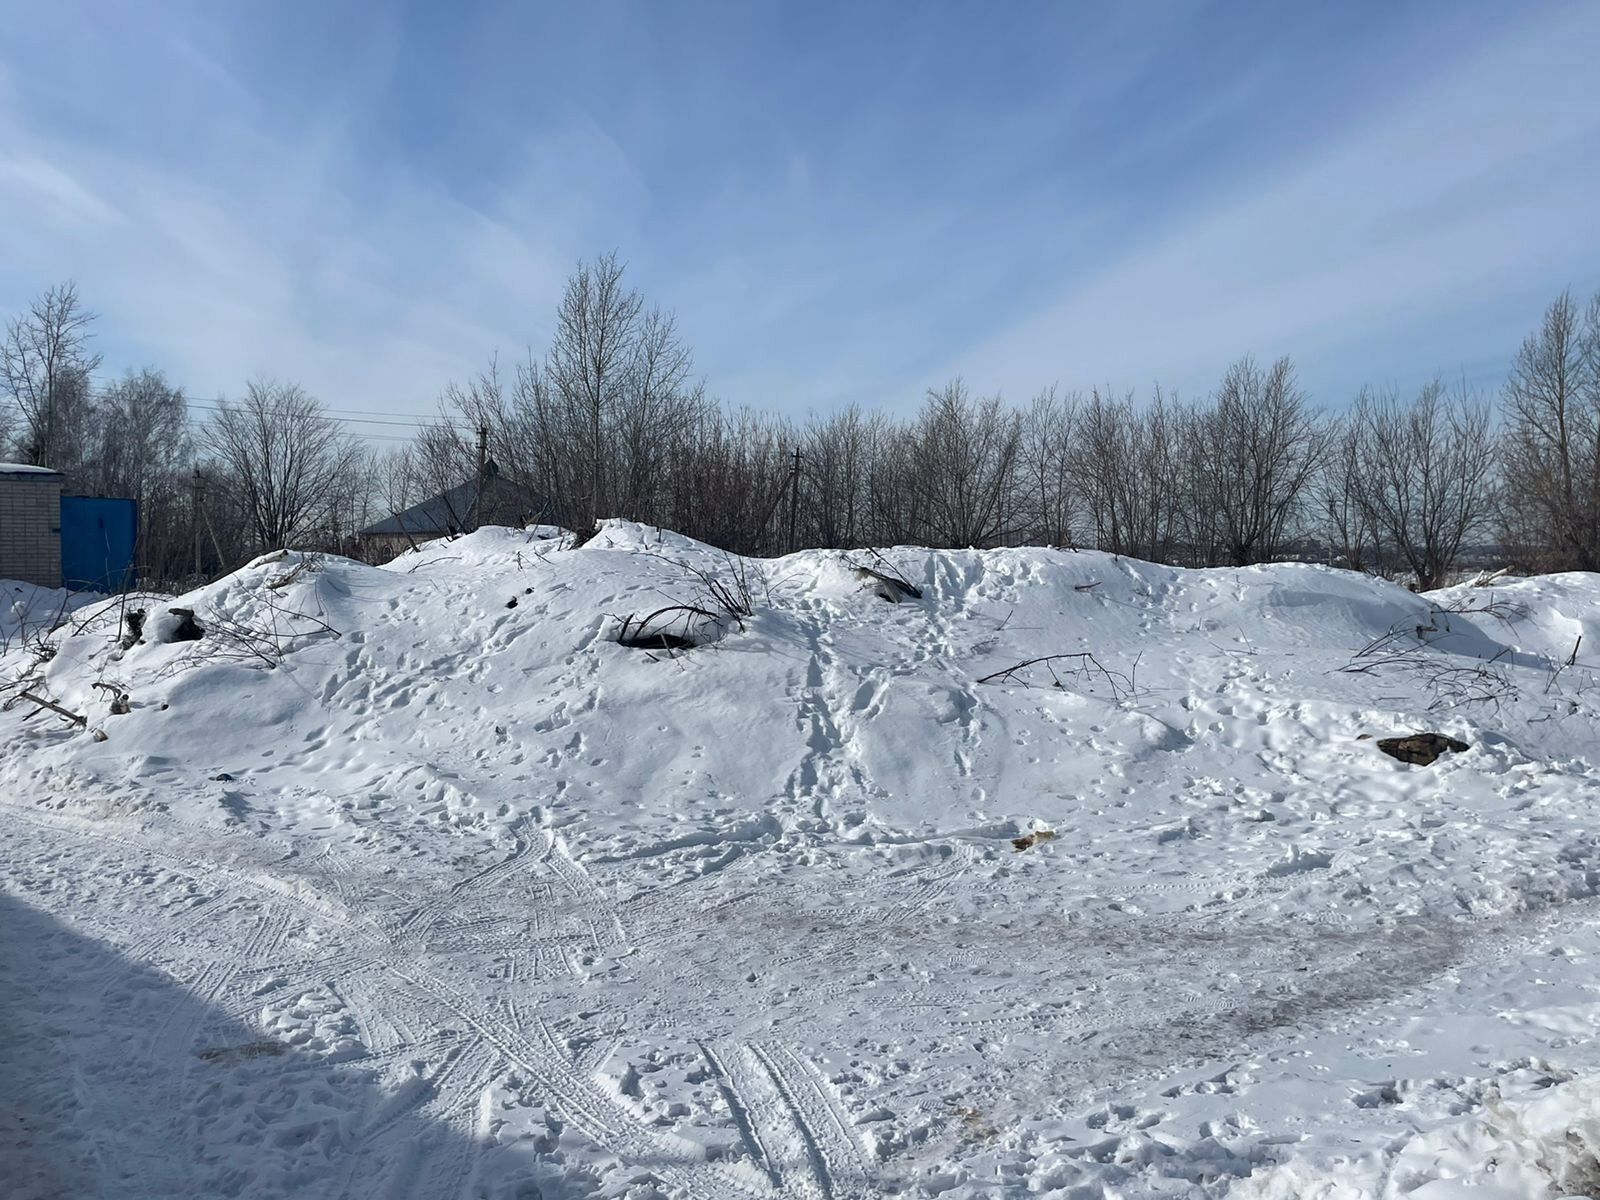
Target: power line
{"type": "Point", "coordinates": [217, 404]}
{"type": "Point", "coordinates": [104, 385]}
{"type": "Point", "coordinates": [104, 388]}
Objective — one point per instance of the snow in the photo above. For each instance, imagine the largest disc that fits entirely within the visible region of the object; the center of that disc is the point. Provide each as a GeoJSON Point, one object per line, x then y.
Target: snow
{"type": "Point", "coordinates": [28, 611]}
{"type": "Point", "coordinates": [25, 469]}
{"type": "Point", "coordinates": [389, 886]}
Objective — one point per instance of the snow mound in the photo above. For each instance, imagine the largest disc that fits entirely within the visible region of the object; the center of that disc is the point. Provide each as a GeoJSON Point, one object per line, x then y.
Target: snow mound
{"type": "Point", "coordinates": [775, 915]}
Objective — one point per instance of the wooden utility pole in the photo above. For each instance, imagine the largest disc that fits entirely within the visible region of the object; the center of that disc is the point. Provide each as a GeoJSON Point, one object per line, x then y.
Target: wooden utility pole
{"type": "Point", "coordinates": [199, 484]}
{"type": "Point", "coordinates": [483, 461]}
{"type": "Point", "coordinates": [794, 497]}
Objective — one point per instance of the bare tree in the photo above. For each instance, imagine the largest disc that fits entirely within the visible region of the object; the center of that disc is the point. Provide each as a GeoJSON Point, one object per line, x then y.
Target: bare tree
{"type": "Point", "coordinates": [1425, 476]}
{"type": "Point", "coordinates": [1049, 427]}
{"type": "Point", "coordinates": [658, 405]}
{"type": "Point", "coordinates": [589, 367]}
{"type": "Point", "coordinates": [1346, 522]}
{"type": "Point", "coordinates": [1264, 444]}
{"type": "Point", "coordinates": [45, 364]}
{"type": "Point", "coordinates": [143, 450]}
{"type": "Point", "coordinates": [1124, 462]}
{"type": "Point", "coordinates": [285, 463]}
{"type": "Point", "coordinates": [837, 453]}
{"type": "Point", "coordinates": [1552, 438]}
{"type": "Point", "coordinates": [730, 476]}
{"type": "Point", "coordinates": [966, 454]}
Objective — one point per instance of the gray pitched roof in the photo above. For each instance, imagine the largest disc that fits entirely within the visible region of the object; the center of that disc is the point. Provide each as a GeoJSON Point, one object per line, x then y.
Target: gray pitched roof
{"type": "Point", "coordinates": [451, 511]}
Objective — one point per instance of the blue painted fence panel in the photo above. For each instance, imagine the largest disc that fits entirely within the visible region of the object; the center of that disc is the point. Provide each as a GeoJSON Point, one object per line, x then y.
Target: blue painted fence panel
{"type": "Point", "coordinates": [98, 537]}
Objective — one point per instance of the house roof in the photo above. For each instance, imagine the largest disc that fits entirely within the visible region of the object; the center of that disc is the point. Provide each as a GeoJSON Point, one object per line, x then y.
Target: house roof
{"type": "Point", "coordinates": [25, 469]}
{"type": "Point", "coordinates": [451, 510]}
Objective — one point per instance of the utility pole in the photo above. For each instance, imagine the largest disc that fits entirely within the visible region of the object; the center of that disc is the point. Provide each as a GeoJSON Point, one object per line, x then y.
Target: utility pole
{"type": "Point", "coordinates": [483, 460]}
{"type": "Point", "coordinates": [199, 484]}
{"type": "Point", "coordinates": [794, 496]}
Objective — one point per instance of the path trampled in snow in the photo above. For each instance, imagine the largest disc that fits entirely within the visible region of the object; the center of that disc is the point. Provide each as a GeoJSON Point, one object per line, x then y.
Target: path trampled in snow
{"type": "Point", "coordinates": [463, 899]}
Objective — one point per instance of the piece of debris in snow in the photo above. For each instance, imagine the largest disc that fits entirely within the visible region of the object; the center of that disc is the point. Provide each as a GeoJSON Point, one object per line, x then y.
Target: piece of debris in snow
{"type": "Point", "coordinates": [174, 625]}
{"type": "Point", "coordinates": [132, 628]}
{"type": "Point", "coordinates": [1028, 841]}
{"type": "Point", "coordinates": [887, 587]}
{"type": "Point", "coordinates": [1422, 749]}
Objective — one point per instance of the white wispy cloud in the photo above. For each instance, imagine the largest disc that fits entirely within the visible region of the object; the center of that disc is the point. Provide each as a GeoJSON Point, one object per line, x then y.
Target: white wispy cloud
{"type": "Point", "coordinates": [1484, 177]}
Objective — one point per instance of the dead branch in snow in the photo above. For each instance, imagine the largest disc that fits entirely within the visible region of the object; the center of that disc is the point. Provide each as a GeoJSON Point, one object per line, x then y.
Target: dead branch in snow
{"type": "Point", "coordinates": [1085, 668]}
{"type": "Point", "coordinates": [120, 706]}
{"type": "Point", "coordinates": [893, 585]}
{"type": "Point", "coordinates": [673, 627]}
{"type": "Point", "coordinates": [1504, 611]}
{"type": "Point", "coordinates": [232, 639]}
{"type": "Point", "coordinates": [732, 594]}
{"type": "Point", "coordinates": [35, 698]}
{"type": "Point", "coordinates": [1448, 682]}
{"type": "Point", "coordinates": [309, 562]}
{"type": "Point", "coordinates": [1585, 672]}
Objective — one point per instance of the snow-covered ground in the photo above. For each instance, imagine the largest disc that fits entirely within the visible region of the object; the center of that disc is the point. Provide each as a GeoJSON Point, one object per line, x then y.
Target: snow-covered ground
{"type": "Point", "coordinates": [29, 611]}
{"type": "Point", "coordinates": [410, 881]}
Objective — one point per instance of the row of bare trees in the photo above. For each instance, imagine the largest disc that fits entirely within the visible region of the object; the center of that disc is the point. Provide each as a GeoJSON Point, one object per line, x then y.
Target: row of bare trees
{"type": "Point", "coordinates": [267, 470]}
{"type": "Point", "coordinates": [612, 421]}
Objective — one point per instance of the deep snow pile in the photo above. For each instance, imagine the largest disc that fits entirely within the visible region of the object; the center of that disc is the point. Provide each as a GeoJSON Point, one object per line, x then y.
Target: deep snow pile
{"type": "Point", "coordinates": [29, 611]}
{"type": "Point", "coordinates": [411, 880]}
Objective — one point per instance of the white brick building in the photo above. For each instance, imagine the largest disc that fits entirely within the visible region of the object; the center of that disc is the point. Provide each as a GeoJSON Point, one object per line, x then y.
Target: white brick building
{"type": "Point", "coordinates": [30, 524]}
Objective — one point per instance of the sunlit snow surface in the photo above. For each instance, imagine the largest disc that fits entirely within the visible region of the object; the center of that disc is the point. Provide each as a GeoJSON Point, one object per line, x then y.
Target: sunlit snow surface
{"type": "Point", "coordinates": [461, 898]}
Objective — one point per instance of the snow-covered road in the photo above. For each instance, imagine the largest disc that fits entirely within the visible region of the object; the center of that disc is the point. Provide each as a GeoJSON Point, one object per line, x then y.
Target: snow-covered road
{"type": "Point", "coordinates": [468, 901]}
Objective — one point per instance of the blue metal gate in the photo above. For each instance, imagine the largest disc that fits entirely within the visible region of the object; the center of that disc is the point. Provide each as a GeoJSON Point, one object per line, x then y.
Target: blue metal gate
{"type": "Point", "coordinates": [98, 537]}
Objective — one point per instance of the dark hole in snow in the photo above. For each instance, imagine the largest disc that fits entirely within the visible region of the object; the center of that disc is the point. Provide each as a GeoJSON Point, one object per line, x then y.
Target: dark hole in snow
{"type": "Point", "coordinates": [1421, 749]}
{"type": "Point", "coordinates": [675, 627]}
{"type": "Point", "coordinates": [187, 629]}
{"type": "Point", "coordinates": [511, 603]}
{"type": "Point", "coordinates": [657, 641]}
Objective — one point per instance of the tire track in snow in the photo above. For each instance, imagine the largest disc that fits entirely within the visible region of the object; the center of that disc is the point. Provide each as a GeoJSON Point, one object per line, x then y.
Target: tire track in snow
{"type": "Point", "coordinates": [581, 1102]}
{"type": "Point", "coordinates": [830, 1147]}
{"type": "Point", "coordinates": [576, 1097]}
{"type": "Point", "coordinates": [171, 1052]}
{"type": "Point", "coordinates": [413, 929]}
{"type": "Point", "coordinates": [740, 1108]}
{"type": "Point", "coordinates": [606, 926]}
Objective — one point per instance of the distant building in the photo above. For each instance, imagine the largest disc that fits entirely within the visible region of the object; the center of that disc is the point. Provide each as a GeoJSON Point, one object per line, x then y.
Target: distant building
{"type": "Point", "coordinates": [30, 524]}
{"type": "Point", "coordinates": [453, 511]}
{"type": "Point", "coordinates": [85, 543]}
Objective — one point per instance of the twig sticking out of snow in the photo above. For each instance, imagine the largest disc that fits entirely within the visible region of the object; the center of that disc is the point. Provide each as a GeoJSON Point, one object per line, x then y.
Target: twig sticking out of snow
{"type": "Point", "coordinates": [1449, 684]}
{"type": "Point", "coordinates": [675, 627]}
{"type": "Point", "coordinates": [120, 705]}
{"type": "Point", "coordinates": [893, 586]}
{"type": "Point", "coordinates": [723, 601]}
{"type": "Point", "coordinates": [34, 698]}
{"type": "Point", "coordinates": [1085, 666]}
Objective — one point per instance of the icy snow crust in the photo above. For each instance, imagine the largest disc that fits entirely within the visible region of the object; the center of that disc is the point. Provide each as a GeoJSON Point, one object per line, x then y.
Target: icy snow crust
{"type": "Point", "coordinates": [463, 899]}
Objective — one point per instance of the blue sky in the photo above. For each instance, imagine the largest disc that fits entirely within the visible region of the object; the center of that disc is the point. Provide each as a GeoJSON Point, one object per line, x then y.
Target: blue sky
{"type": "Point", "coordinates": [842, 203]}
